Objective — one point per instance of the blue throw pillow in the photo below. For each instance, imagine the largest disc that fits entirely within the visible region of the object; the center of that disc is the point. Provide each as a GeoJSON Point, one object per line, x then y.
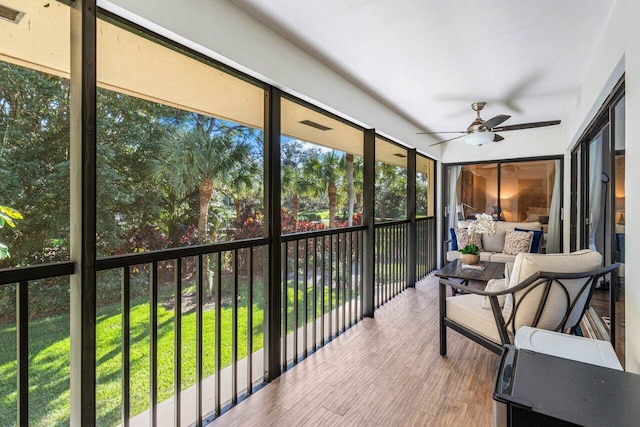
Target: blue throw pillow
{"type": "Point", "coordinates": [454, 239]}
{"type": "Point", "coordinates": [537, 239]}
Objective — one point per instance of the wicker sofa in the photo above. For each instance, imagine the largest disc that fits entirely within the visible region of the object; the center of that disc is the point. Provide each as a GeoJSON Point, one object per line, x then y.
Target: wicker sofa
{"type": "Point", "coordinates": [493, 245]}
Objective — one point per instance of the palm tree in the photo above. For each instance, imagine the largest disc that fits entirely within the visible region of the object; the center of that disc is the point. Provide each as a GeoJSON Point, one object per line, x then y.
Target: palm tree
{"type": "Point", "coordinates": [353, 167]}
{"type": "Point", "coordinates": [350, 193]}
{"type": "Point", "coordinates": [325, 171]}
{"type": "Point", "coordinates": [204, 160]}
{"type": "Point", "coordinates": [295, 183]}
{"type": "Point", "coordinates": [358, 179]}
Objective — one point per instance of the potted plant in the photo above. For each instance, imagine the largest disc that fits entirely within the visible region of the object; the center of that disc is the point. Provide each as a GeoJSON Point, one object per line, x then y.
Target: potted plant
{"type": "Point", "coordinates": [470, 254]}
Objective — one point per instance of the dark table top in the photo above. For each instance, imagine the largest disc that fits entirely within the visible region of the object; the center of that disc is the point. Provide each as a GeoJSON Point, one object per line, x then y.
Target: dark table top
{"type": "Point", "coordinates": [567, 390]}
{"type": "Point", "coordinates": [492, 270]}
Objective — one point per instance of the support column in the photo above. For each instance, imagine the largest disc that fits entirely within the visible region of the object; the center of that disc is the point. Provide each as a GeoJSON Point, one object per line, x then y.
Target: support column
{"type": "Point", "coordinates": [83, 212]}
{"type": "Point", "coordinates": [368, 219]}
{"type": "Point", "coordinates": [273, 293]}
{"type": "Point", "coordinates": [411, 216]}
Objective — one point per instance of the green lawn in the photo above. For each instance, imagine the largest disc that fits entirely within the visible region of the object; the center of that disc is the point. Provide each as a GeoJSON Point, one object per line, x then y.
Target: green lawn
{"type": "Point", "coordinates": [49, 355]}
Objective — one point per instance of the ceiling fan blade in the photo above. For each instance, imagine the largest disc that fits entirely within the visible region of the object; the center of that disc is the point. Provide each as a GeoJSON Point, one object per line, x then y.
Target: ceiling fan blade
{"type": "Point", "coordinates": [447, 140]}
{"type": "Point", "coordinates": [494, 121]}
{"type": "Point", "coordinates": [435, 133]}
{"type": "Point", "coordinates": [497, 138]}
{"type": "Point", "coordinates": [526, 126]}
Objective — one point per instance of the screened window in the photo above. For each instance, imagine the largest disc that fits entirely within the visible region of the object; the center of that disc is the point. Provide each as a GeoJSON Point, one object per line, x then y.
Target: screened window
{"type": "Point", "coordinates": [321, 170]}
{"type": "Point", "coordinates": [425, 187]}
{"type": "Point", "coordinates": [390, 181]}
{"type": "Point", "coordinates": [180, 148]}
{"type": "Point", "coordinates": [34, 134]}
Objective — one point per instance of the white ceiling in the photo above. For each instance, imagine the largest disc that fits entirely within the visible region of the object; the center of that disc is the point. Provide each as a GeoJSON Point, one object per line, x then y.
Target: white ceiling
{"type": "Point", "coordinates": [429, 59]}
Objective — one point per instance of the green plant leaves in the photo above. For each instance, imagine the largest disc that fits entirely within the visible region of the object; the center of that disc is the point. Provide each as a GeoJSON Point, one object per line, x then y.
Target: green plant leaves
{"type": "Point", "coordinates": [470, 249]}
{"type": "Point", "coordinates": [7, 215]}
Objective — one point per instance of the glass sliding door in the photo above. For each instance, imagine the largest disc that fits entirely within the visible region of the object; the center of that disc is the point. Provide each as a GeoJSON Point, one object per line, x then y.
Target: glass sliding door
{"type": "Point", "coordinates": [618, 290]}
{"type": "Point", "coordinates": [530, 192]}
{"type": "Point", "coordinates": [598, 212]}
{"type": "Point", "coordinates": [598, 183]}
{"type": "Point", "coordinates": [518, 191]}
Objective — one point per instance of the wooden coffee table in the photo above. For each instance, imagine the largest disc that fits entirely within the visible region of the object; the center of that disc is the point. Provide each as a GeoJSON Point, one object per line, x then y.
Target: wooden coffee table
{"type": "Point", "coordinates": [453, 270]}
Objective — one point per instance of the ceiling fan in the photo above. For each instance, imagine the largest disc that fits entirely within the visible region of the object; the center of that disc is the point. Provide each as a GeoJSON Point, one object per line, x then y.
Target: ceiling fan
{"type": "Point", "coordinates": [481, 132]}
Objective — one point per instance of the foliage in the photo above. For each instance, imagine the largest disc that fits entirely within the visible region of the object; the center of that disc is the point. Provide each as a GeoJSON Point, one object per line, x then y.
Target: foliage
{"type": "Point", "coordinates": [356, 220]}
{"type": "Point", "coordinates": [34, 163]}
{"type": "Point", "coordinates": [290, 225]}
{"type": "Point", "coordinates": [326, 174]}
{"type": "Point", "coordinates": [422, 194]}
{"type": "Point", "coordinates": [153, 162]}
{"type": "Point", "coordinates": [209, 157]}
{"type": "Point", "coordinates": [391, 192]}
{"type": "Point", "coordinates": [471, 248]}
{"type": "Point", "coordinates": [249, 223]}
{"type": "Point", "coordinates": [7, 215]}
{"type": "Point", "coordinates": [310, 217]}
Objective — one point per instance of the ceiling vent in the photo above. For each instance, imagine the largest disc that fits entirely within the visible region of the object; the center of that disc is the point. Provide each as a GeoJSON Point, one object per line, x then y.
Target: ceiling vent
{"type": "Point", "coordinates": [402, 156]}
{"type": "Point", "coordinates": [10, 14]}
{"type": "Point", "coordinates": [315, 125]}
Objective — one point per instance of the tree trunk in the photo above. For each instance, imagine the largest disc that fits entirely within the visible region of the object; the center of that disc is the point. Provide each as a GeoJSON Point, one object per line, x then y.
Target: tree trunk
{"type": "Point", "coordinates": [358, 206]}
{"type": "Point", "coordinates": [296, 207]}
{"type": "Point", "coordinates": [333, 203]}
{"type": "Point", "coordinates": [206, 193]}
{"type": "Point", "coordinates": [350, 194]}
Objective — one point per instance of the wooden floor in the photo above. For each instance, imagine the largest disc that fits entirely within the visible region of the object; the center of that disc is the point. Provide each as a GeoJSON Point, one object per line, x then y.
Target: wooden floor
{"type": "Point", "coordinates": [384, 371]}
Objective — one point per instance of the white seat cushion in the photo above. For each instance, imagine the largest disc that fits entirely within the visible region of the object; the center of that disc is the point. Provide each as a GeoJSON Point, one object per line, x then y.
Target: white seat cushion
{"type": "Point", "coordinates": [467, 311]}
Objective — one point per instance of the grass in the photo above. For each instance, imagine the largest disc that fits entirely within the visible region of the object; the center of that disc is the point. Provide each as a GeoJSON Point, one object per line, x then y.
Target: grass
{"type": "Point", "coordinates": [49, 347]}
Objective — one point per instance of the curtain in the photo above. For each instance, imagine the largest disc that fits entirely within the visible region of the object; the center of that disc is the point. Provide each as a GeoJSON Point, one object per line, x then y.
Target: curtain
{"type": "Point", "coordinates": [553, 233]}
{"type": "Point", "coordinates": [595, 189]}
{"type": "Point", "coordinates": [452, 202]}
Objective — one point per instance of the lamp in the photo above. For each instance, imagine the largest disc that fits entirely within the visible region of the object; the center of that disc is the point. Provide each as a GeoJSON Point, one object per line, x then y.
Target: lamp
{"type": "Point", "coordinates": [479, 138]}
{"type": "Point", "coordinates": [620, 208]}
{"type": "Point", "coordinates": [505, 204]}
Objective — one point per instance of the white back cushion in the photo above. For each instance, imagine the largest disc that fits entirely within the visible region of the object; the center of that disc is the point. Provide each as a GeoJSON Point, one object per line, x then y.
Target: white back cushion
{"type": "Point", "coordinates": [527, 264]}
{"type": "Point", "coordinates": [495, 242]}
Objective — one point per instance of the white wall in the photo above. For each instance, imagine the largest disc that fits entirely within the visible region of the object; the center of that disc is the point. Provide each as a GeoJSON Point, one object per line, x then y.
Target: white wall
{"type": "Point", "coordinates": [619, 51]}
{"type": "Point", "coordinates": [226, 33]}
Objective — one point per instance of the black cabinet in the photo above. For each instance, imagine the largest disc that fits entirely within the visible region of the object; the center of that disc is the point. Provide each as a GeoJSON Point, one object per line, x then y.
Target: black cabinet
{"type": "Point", "coordinates": [543, 390]}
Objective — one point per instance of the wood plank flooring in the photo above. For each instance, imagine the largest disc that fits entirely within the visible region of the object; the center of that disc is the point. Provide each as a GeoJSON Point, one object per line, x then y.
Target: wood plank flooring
{"type": "Point", "coordinates": [384, 371]}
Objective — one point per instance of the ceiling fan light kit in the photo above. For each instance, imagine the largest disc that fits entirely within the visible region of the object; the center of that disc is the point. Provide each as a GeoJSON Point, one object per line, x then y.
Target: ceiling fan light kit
{"type": "Point", "coordinates": [479, 138]}
{"type": "Point", "coordinates": [482, 132]}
